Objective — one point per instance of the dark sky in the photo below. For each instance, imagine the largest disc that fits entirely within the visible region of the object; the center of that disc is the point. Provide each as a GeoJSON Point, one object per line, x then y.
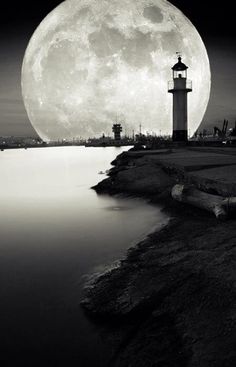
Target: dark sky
{"type": "Point", "coordinates": [214, 20]}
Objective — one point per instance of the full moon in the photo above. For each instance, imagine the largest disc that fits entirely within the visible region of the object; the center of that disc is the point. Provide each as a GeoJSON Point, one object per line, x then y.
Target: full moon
{"type": "Point", "coordinates": [91, 63]}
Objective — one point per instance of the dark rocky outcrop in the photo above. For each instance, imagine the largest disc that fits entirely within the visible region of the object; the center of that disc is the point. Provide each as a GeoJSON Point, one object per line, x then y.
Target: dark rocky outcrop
{"type": "Point", "coordinates": [173, 299]}
{"type": "Point", "coordinates": [136, 175]}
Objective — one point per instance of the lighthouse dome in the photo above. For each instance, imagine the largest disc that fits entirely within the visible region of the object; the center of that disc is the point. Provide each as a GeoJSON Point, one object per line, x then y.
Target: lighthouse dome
{"type": "Point", "coordinates": [180, 66]}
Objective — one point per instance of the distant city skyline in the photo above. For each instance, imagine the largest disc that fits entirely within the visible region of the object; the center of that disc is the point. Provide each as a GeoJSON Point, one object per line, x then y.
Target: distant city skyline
{"type": "Point", "coordinates": [217, 33]}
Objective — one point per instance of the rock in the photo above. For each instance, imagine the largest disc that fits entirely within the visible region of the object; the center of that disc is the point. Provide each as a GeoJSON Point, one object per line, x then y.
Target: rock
{"type": "Point", "coordinates": [171, 302]}
{"type": "Point", "coordinates": [178, 289]}
{"type": "Point", "coordinates": [139, 176]}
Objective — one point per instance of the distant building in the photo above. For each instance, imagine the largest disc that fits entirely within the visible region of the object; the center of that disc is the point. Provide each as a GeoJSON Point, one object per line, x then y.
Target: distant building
{"type": "Point", "coordinates": [180, 87]}
{"type": "Point", "coordinates": [19, 141]}
{"type": "Point", "coordinates": [117, 129]}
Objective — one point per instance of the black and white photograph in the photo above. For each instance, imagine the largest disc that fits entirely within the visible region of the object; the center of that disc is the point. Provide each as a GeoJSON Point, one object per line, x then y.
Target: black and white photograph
{"type": "Point", "coordinates": [118, 183]}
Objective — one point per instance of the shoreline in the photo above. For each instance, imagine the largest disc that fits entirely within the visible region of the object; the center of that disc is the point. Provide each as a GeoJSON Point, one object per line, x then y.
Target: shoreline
{"type": "Point", "coordinates": [171, 301]}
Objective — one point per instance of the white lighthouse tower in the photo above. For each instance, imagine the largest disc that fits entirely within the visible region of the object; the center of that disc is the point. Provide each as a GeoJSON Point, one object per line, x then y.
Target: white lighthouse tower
{"type": "Point", "coordinates": [180, 87]}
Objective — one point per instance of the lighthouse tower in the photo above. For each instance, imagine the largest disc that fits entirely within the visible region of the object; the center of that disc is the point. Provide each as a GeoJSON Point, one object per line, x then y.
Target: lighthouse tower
{"type": "Point", "coordinates": [180, 87]}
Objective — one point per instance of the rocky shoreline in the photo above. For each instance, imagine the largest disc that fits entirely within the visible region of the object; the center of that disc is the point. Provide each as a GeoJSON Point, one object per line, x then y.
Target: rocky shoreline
{"type": "Point", "coordinates": [136, 175]}
{"type": "Point", "coordinates": [172, 300]}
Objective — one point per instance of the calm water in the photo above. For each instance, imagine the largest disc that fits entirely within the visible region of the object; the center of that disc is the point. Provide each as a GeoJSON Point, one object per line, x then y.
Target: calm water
{"type": "Point", "coordinates": [54, 229]}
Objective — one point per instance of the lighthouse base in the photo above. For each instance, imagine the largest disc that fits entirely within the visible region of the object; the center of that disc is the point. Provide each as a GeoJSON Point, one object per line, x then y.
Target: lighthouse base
{"type": "Point", "coordinates": [180, 135]}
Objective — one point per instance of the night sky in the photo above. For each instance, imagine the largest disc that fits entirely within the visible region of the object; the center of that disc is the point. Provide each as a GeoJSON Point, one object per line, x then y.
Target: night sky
{"type": "Point", "coordinates": [215, 21]}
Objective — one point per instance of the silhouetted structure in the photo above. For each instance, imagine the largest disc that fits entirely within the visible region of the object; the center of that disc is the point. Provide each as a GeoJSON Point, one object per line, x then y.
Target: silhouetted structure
{"type": "Point", "coordinates": [233, 130]}
{"type": "Point", "coordinates": [221, 133]}
{"type": "Point", "coordinates": [117, 128]}
{"type": "Point", "coordinates": [180, 87]}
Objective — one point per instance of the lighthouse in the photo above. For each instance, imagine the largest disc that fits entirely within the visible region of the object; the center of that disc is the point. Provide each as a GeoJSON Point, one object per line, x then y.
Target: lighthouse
{"type": "Point", "coordinates": [180, 87]}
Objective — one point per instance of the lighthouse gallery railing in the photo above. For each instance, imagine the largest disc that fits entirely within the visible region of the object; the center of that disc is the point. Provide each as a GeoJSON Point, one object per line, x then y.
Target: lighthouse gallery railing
{"type": "Point", "coordinates": [171, 84]}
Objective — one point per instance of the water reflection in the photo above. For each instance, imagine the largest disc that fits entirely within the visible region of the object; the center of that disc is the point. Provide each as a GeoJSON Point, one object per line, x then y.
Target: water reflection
{"type": "Point", "coordinates": [54, 229]}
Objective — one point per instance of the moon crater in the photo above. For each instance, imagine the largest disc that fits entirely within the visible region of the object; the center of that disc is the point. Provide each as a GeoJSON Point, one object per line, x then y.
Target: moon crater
{"type": "Point", "coordinates": [153, 13]}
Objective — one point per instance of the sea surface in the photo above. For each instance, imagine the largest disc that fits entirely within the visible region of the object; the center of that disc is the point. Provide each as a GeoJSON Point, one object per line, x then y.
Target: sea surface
{"type": "Point", "coordinates": [54, 232]}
